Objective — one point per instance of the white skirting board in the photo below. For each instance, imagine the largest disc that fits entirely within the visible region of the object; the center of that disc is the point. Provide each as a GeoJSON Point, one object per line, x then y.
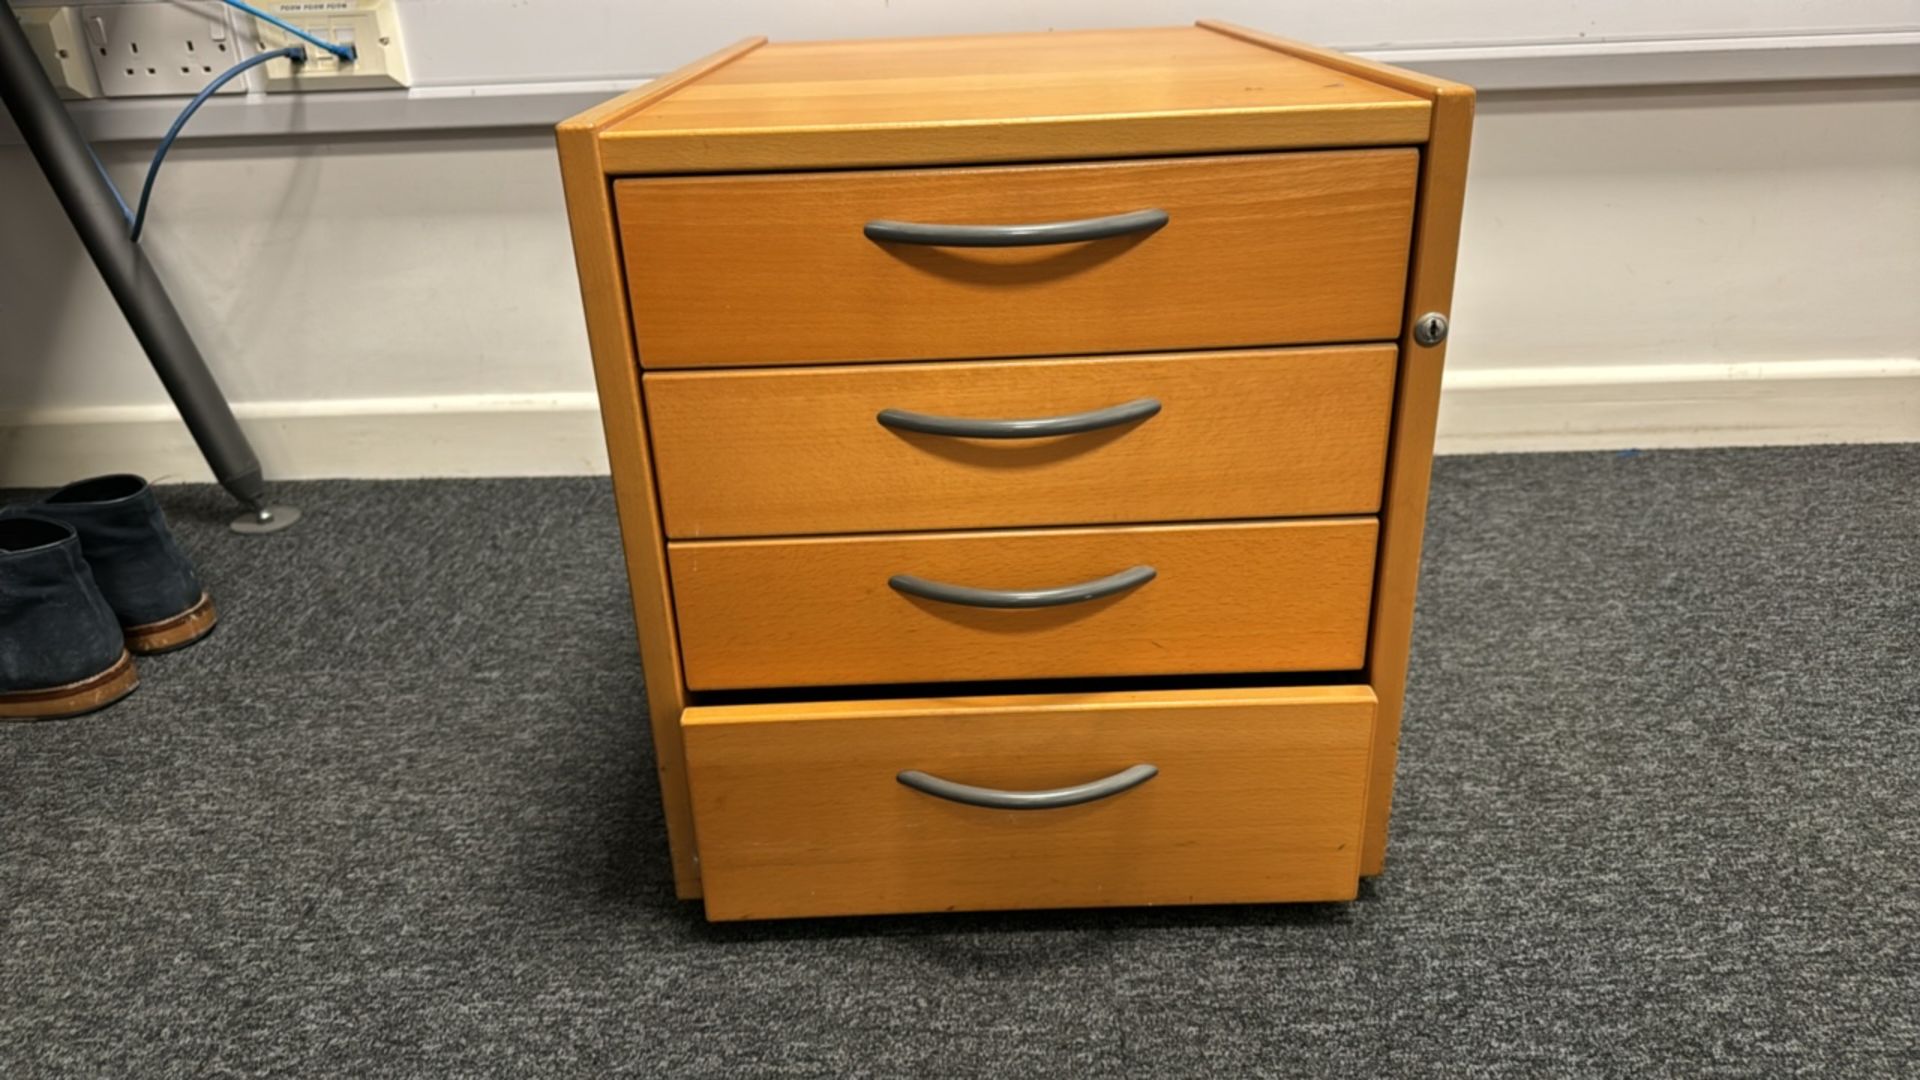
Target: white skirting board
{"type": "Point", "coordinates": [1656, 406]}
{"type": "Point", "coordinates": [377, 438]}
{"type": "Point", "coordinates": [1649, 406]}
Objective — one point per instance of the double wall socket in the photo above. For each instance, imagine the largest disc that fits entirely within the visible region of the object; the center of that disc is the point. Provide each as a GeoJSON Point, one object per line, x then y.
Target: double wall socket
{"type": "Point", "coordinates": [371, 26]}
{"type": "Point", "coordinates": [141, 50]}
{"type": "Point", "coordinates": [176, 47]}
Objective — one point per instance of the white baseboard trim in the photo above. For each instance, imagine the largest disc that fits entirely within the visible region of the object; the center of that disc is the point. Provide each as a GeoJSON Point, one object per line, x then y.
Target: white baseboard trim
{"type": "Point", "coordinates": [372, 438]}
{"type": "Point", "coordinates": [1610, 407]}
{"type": "Point", "coordinates": [1667, 406]}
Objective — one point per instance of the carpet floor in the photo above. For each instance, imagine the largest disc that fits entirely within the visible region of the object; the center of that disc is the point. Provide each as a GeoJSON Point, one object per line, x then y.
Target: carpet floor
{"type": "Point", "coordinates": [1658, 815]}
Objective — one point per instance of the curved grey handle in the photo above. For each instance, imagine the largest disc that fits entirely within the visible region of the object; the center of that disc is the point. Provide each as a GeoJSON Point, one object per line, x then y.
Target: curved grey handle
{"type": "Point", "coordinates": [1074, 424]}
{"type": "Point", "coordinates": [998, 799]}
{"type": "Point", "coordinates": [1130, 578]}
{"type": "Point", "coordinates": [1052, 232]}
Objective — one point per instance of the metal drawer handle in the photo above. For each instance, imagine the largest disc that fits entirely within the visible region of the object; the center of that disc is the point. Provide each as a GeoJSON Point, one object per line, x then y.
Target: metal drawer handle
{"type": "Point", "coordinates": [995, 798]}
{"type": "Point", "coordinates": [963, 428]}
{"type": "Point", "coordinates": [1052, 232]}
{"type": "Point", "coordinates": [1130, 578]}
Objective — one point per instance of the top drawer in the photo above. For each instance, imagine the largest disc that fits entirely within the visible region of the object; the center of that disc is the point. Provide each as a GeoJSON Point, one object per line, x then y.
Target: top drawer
{"type": "Point", "coordinates": [1264, 249]}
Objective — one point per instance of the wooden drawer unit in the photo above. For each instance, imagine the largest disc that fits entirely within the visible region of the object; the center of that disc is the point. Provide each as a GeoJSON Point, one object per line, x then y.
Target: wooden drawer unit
{"type": "Point", "coordinates": [884, 448]}
{"type": "Point", "coordinates": [795, 268]}
{"type": "Point", "coordinates": [1195, 797]}
{"type": "Point", "coordinates": [941, 607]}
{"type": "Point", "coordinates": [1021, 448]}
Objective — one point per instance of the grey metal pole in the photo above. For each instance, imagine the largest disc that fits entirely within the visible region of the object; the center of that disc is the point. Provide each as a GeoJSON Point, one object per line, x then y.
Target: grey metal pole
{"type": "Point", "coordinates": [95, 212]}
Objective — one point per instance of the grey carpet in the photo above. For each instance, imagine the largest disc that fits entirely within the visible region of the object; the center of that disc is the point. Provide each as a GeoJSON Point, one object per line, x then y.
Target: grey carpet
{"type": "Point", "coordinates": [1657, 816]}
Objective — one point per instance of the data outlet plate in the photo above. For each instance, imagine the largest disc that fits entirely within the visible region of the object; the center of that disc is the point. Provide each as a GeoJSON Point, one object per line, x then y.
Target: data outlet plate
{"type": "Point", "coordinates": [54, 33]}
{"type": "Point", "coordinates": [371, 26]}
{"type": "Point", "coordinates": [159, 48]}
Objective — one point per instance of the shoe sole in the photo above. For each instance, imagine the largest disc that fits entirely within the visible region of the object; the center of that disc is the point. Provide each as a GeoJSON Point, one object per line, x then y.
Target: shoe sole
{"type": "Point", "coordinates": [75, 698]}
{"type": "Point", "coordinates": [176, 633]}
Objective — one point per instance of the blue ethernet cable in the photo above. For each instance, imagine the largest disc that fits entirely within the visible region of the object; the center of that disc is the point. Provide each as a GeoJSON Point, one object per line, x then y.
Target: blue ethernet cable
{"type": "Point", "coordinates": [344, 52]}
{"type": "Point", "coordinates": [137, 218]}
{"type": "Point", "coordinates": [125, 211]}
{"type": "Point", "coordinates": [295, 53]}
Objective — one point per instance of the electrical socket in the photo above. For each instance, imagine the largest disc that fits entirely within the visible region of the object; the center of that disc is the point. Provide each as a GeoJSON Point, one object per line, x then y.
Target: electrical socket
{"type": "Point", "coordinates": [372, 27]}
{"type": "Point", "coordinates": [54, 33]}
{"type": "Point", "coordinates": [172, 47]}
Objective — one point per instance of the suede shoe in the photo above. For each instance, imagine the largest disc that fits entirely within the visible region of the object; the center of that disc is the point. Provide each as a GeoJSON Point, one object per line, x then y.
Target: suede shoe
{"type": "Point", "coordinates": [61, 652]}
{"type": "Point", "coordinates": [147, 580]}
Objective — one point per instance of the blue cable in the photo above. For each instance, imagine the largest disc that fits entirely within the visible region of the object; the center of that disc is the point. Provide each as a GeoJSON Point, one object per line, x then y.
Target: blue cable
{"type": "Point", "coordinates": [295, 53]}
{"type": "Point", "coordinates": [137, 218]}
{"type": "Point", "coordinates": [344, 52]}
{"type": "Point", "coordinates": [117, 197]}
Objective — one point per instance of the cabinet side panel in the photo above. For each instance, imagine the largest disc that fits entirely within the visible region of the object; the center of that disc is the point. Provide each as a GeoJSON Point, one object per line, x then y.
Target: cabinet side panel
{"type": "Point", "coordinates": [1443, 177]}
{"type": "Point", "coordinates": [617, 374]}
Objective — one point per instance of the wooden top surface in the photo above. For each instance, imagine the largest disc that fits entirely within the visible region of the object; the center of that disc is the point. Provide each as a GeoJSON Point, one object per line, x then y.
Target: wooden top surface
{"type": "Point", "coordinates": [1000, 77]}
{"type": "Point", "coordinates": [1002, 97]}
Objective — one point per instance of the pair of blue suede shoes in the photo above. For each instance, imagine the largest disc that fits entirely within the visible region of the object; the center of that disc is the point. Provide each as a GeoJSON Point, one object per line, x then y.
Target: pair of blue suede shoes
{"type": "Point", "coordinates": [88, 576]}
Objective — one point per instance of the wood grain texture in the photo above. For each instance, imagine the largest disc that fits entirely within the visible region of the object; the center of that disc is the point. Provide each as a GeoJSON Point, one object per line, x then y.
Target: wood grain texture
{"type": "Point", "coordinates": [1436, 243]}
{"type": "Point", "coordinates": [1443, 179]}
{"type": "Point", "coordinates": [603, 116]}
{"type": "Point", "coordinates": [1136, 95]}
{"type": "Point", "coordinates": [1007, 97]}
{"type": "Point", "coordinates": [1410, 458]}
{"type": "Point", "coordinates": [1413, 83]}
{"type": "Point", "coordinates": [1290, 433]}
{"type": "Point", "coordinates": [1267, 249]}
{"type": "Point", "coordinates": [1260, 596]}
{"type": "Point", "coordinates": [596, 247]}
{"type": "Point", "coordinates": [1259, 798]}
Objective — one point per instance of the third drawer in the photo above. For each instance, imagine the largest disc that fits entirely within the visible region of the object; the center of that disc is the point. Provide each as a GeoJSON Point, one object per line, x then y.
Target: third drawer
{"type": "Point", "coordinates": [1232, 597]}
{"type": "Point", "coordinates": [1172, 437]}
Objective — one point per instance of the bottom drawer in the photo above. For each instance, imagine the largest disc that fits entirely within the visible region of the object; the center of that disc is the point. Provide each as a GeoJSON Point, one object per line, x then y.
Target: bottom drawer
{"type": "Point", "coordinates": [866, 807]}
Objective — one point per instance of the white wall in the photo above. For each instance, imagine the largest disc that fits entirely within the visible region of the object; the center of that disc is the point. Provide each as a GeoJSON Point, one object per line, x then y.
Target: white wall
{"type": "Point", "coordinates": [380, 267]}
{"type": "Point", "coordinates": [489, 41]}
{"type": "Point", "coordinates": [1711, 226]}
{"type": "Point", "coordinates": [1645, 267]}
{"type": "Point", "coordinates": [1717, 266]}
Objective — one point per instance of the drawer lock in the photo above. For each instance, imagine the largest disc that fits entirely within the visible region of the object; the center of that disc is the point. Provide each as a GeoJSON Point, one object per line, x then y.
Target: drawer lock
{"type": "Point", "coordinates": [1430, 329]}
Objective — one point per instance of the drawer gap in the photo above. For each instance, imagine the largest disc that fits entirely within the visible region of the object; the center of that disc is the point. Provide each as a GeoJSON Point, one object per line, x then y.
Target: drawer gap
{"type": "Point", "coordinates": [937, 162]}
{"type": "Point", "coordinates": [1080, 354]}
{"type": "Point", "coordinates": [992, 687]}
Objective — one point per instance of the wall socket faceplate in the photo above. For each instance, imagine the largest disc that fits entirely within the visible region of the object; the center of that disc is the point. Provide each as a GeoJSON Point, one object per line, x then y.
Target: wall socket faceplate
{"type": "Point", "coordinates": [54, 33]}
{"type": "Point", "coordinates": [168, 47]}
{"type": "Point", "coordinates": [371, 26]}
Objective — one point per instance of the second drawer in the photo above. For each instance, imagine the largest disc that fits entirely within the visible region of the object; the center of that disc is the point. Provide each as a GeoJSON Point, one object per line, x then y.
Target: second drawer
{"type": "Point", "coordinates": [1234, 597]}
{"type": "Point", "coordinates": [1183, 437]}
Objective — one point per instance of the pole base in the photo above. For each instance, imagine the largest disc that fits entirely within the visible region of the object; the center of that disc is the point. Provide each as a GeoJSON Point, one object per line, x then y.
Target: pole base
{"type": "Point", "coordinates": [266, 519]}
